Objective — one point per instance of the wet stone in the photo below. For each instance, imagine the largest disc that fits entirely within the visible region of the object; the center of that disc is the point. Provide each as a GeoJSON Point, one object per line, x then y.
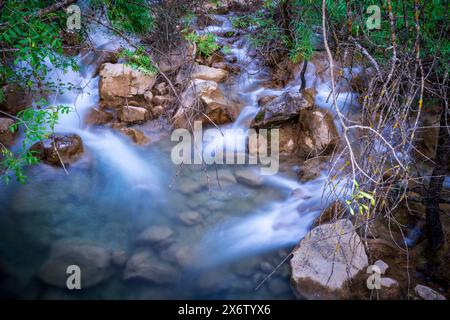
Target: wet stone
{"type": "Point", "coordinates": [155, 235]}
{"type": "Point", "coordinates": [190, 217]}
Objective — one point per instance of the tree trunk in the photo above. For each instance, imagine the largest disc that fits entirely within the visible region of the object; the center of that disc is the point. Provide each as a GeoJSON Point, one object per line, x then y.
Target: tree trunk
{"type": "Point", "coordinates": [433, 221]}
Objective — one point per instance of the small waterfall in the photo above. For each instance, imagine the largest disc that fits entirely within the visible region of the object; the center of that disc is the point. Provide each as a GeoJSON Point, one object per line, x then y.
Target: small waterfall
{"type": "Point", "coordinates": [283, 223]}
{"type": "Point", "coordinates": [280, 225]}
{"type": "Point", "coordinates": [117, 153]}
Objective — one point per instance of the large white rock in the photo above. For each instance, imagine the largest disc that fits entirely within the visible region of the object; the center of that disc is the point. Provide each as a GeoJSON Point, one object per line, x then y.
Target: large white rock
{"type": "Point", "coordinates": [120, 84]}
{"type": "Point", "coordinates": [324, 261]}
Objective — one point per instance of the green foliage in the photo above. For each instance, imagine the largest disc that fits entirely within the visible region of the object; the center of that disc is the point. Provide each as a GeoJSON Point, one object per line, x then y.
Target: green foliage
{"type": "Point", "coordinates": [129, 16]}
{"type": "Point", "coordinates": [266, 32]}
{"type": "Point", "coordinates": [305, 16]}
{"type": "Point", "coordinates": [32, 49]}
{"type": "Point", "coordinates": [360, 200]}
{"type": "Point", "coordinates": [31, 41]}
{"type": "Point", "coordinates": [206, 43]}
{"type": "Point", "coordinates": [139, 60]}
{"type": "Point", "coordinates": [301, 46]}
{"type": "Point", "coordinates": [37, 124]}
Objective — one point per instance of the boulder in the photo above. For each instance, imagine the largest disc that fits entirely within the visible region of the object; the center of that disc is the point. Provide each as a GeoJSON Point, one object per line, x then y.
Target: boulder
{"type": "Point", "coordinates": [427, 293]}
{"type": "Point", "coordinates": [317, 133]}
{"type": "Point", "coordinates": [6, 136]}
{"type": "Point", "coordinates": [155, 235]}
{"type": "Point", "coordinates": [145, 266]}
{"type": "Point", "coordinates": [121, 85]}
{"type": "Point", "coordinates": [265, 100]}
{"type": "Point", "coordinates": [283, 108]}
{"type": "Point", "coordinates": [202, 72]}
{"type": "Point", "coordinates": [204, 97]}
{"type": "Point", "coordinates": [288, 134]}
{"type": "Point", "coordinates": [59, 148]}
{"type": "Point", "coordinates": [129, 114]}
{"type": "Point", "coordinates": [15, 99]}
{"type": "Point", "coordinates": [94, 263]}
{"type": "Point", "coordinates": [136, 135]}
{"type": "Point", "coordinates": [326, 260]}
{"type": "Point", "coordinates": [208, 73]}
{"type": "Point", "coordinates": [98, 117]}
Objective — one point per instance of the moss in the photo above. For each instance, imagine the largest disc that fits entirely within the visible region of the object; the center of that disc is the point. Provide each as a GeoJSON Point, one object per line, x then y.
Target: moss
{"type": "Point", "coordinates": [260, 116]}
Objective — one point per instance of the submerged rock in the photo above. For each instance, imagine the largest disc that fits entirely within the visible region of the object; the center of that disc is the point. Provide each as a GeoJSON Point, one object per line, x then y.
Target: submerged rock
{"type": "Point", "coordinates": [190, 217]}
{"type": "Point", "coordinates": [145, 266]}
{"type": "Point", "coordinates": [427, 293]}
{"type": "Point", "coordinates": [119, 257]}
{"type": "Point", "coordinates": [249, 178]}
{"type": "Point", "coordinates": [155, 235]}
{"type": "Point", "coordinates": [59, 148]}
{"type": "Point", "coordinates": [6, 136]}
{"type": "Point", "coordinates": [94, 263]}
{"type": "Point", "coordinates": [326, 259]}
{"type": "Point", "coordinates": [121, 85]}
{"type": "Point", "coordinates": [178, 253]}
{"type": "Point", "coordinates": [191, 186]}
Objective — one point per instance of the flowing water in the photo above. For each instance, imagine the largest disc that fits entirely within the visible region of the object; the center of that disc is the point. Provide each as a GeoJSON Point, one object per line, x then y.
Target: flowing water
{"type": "Point", "coordinates": [119, 189]}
